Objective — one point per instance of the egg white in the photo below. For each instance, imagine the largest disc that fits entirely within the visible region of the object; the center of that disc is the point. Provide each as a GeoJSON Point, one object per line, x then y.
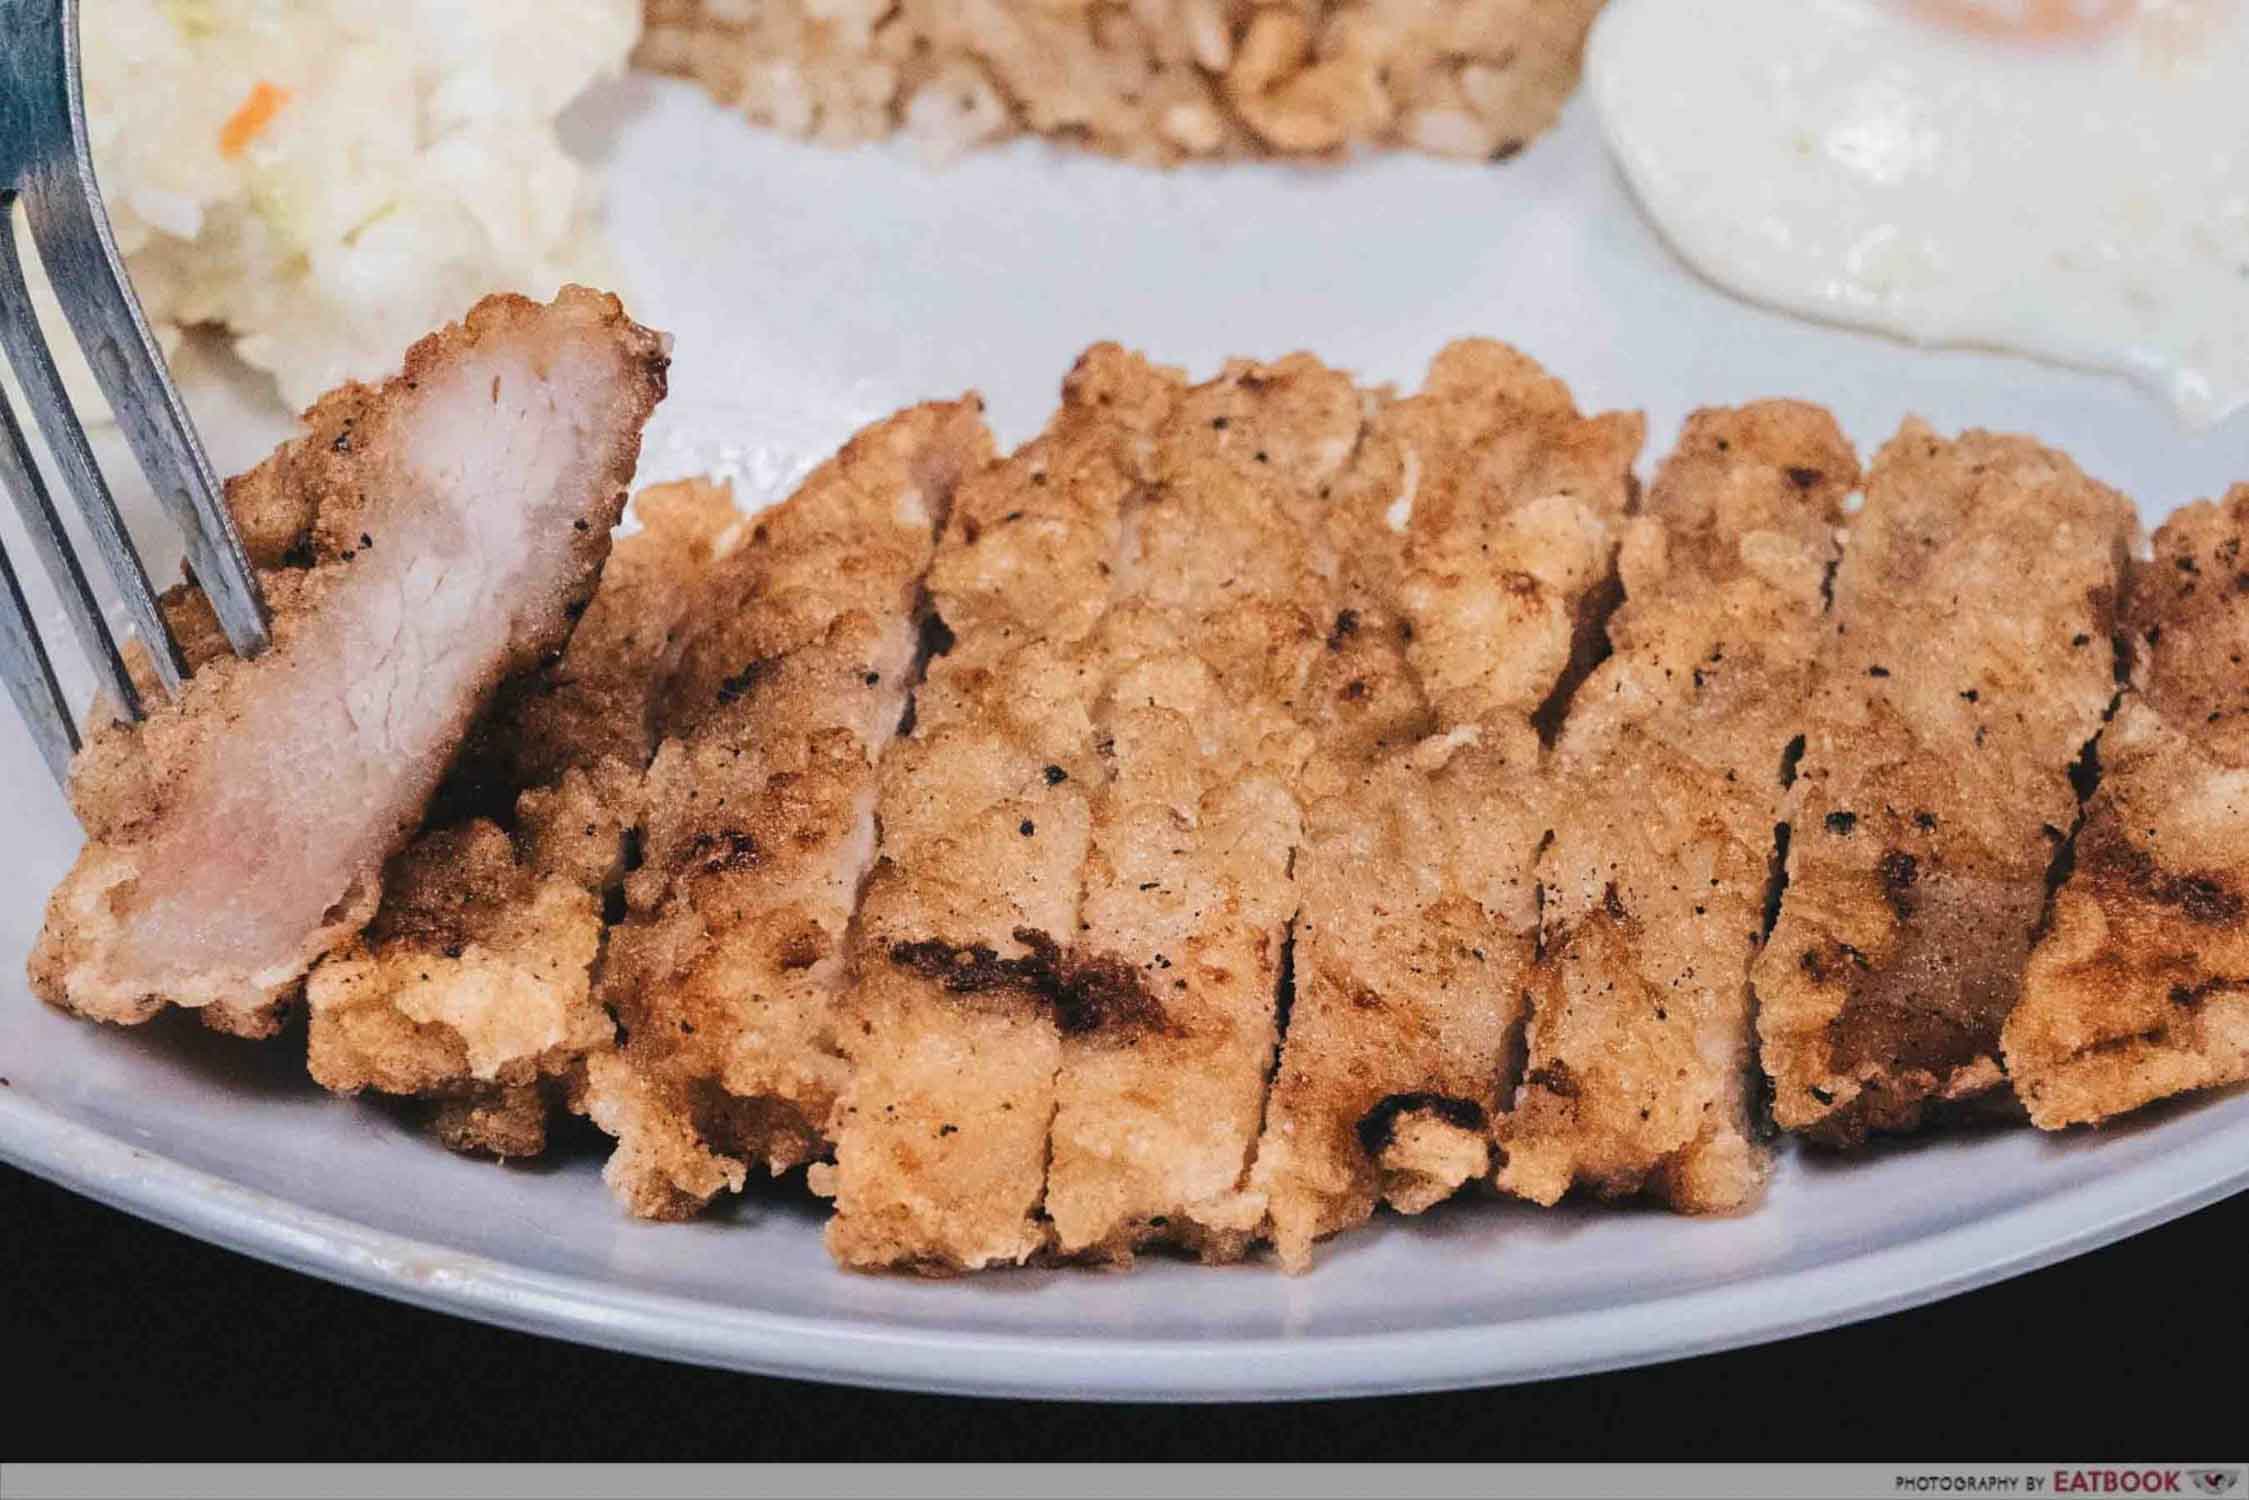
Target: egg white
{"type": "Point", "coordinates": [2082, 197]}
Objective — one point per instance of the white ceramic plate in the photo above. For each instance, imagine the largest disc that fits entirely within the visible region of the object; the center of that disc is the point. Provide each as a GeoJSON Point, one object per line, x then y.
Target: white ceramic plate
{"type": "Point", "coordinates": [811, 291]}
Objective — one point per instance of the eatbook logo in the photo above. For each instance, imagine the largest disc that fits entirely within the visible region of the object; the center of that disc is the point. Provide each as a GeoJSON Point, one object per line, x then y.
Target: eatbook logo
{"type": "Point", "coordinates": [2215, 1481]}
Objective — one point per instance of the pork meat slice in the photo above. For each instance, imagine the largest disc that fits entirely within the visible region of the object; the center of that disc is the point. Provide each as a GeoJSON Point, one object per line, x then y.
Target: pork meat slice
{"type": "Point", "coordinates": [1479, 520]}
{"type": "Point", "coordinates": [1968, 661]}
{"type": "Point", "coordinates": [1665, 789]}
{"type": "Point", "coordinates": [472, 987]}
{"type": "Point", "coordinates": [2139, 988]}
{"type": "Point", "coordinates": [757, 822]}
{"type": "Point", "coordinates": [426, 539]}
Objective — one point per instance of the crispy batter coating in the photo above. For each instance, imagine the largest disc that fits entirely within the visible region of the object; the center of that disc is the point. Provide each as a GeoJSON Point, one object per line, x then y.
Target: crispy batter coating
{"type": "Point", "coordinates": [963, 958]}
{"type": "Point", "coordinates": [426, 539]}
{"type": "Point", "coordinates": [1483, 515]}
{"type": "Point", "coordinates": [1248, 804]}
{"type": "Point", "coordinates": [1195, 828]}
{"type": "Point", "coordinates": [601, 700]}
{"type": "Point", "coordinates": [758, 821]}
{"type": "Point", "coordinates": [475, 976]}
{"type": "Point", "coordinates": [1666, 786]}
{"type": "Point", "coordinates": [1151, 79]}
{"type": "Point", "coordinates": [2139, 988]}
{"type": "Point", "coordinates": [1968, 662]}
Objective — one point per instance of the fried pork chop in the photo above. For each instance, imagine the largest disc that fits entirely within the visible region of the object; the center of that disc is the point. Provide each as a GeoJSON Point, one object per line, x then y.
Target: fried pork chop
{"type": "Point", "coordinates": [964, 969]}
{"type": "Point", "coordinates": [1482, 517]}
{"type": "Point", "coordinates": [1969, 661]}
{"type": "Point", "coordinates": [1665, 788]}
{"type": "Point", "coordinates": [1248, 804]}
{"type": "Point", "coordinates": [757, 824]}
{"type": "Point", "coordinates": [426, 539]}
{"type": "Point", "coordinates": [2139, 988]}
{"type": "Point", "coordinates": [473, 984]}
{"type": "Point", "coordinates": [1224, 608]}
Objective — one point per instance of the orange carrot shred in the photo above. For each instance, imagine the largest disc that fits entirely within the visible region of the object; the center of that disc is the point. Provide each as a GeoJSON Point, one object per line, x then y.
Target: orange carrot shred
{"type": "Point", "coordinates": [248, 122]}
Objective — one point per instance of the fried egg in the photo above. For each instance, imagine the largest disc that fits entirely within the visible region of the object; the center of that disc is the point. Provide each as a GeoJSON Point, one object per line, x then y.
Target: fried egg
{"type": "Point", "coordinates": [2067, 179]}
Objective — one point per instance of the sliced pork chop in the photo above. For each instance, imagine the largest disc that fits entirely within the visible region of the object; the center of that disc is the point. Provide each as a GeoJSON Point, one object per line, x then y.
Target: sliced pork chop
{"type": "Point", "coordinates": [1481, 519]}
{"type": "Point", "coordinates": [1228, 605]}
{"type": "Point", "coordinates": [2139, 988]}
{"type": "Point", "coordinates": [1665, 788]}
{"type": "Point", "coordinates": [965, 964]}
{"type": "Point", "coordinates": [758, 821]}
{"type": "Point", "coordinates": [425, 540]}
{"type": "Point", "coordinates": [473, 984]}
{"type": "Point", "coordinates": [1968, 661]}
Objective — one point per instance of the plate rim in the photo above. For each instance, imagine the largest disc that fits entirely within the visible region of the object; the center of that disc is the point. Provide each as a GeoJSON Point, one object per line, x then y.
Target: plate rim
{"type": "Point", "coordinates": [618, 1316]}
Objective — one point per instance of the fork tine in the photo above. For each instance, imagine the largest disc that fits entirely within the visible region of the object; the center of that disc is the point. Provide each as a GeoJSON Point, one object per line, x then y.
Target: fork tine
{"type": "Point", "coordinates": [20, 477]}
{"type": "Point", "coordinates": [72, 232]}
{"type": "Point", "coordinates": [31, 677]}
{"type": "Point", "coordinates": [43, 389]}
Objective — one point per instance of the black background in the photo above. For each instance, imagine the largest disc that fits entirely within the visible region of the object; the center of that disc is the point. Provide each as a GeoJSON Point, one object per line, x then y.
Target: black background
{"type": "Point", "coordinates": [129, 1341]}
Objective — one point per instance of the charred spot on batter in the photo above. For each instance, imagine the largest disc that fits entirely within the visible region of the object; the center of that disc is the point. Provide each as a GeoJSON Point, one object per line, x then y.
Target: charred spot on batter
{"type": "Point", "coordinates": [1841, 823]}
{"type": "Point", "coordinates": [2200, 896]}
{"type": "Point", "coordinates": [1804, 478]}
{"type": "Point", "coordinates": [1346, 626]}
{"type": "Point", "coordinates": [1087, 994]}
{"type": "Point", "coordinates": [1790, 758]}
{"type": "Point", "coordinates": [1776, 882]}
{"type": "Point", "coordinates": [1555, 1078]}
{"type": "Point", "coordinates": [963, 970]}
{"type": "Point", "coordinates": [1101, 993]}
{"type": "Point", "coordinates": [731, 850]}
{"type": "Point", "coordinates": [1378, 1127]}
{"type": "Point", "coordinates": [733, 688]}
{"type": "Point", "coordinates": [1900, 872]}
{"type": "Point", "coordinates": [2191, 996]}
{"type": "Point", "coordinates": [1613, 904]}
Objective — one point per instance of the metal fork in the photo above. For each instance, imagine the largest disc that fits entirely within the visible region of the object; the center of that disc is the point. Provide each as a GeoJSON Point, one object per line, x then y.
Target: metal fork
{"type": "Point", "coordinates": [44, 160]}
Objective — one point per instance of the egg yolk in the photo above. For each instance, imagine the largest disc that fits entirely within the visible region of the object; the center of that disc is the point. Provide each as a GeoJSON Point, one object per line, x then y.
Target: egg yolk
{"type": "Point", "coordinates": [2037, 20]}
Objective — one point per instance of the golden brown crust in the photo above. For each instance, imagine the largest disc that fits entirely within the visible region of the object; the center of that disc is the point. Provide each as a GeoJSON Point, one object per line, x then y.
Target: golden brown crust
{"type": "Point", "coordinates": [961, 949]}
{"type": "Point", "coordinates": [2139, 988]}
{"type": "Point", "coordinates": [1478, 519]}
{"type": "Point", "coordinates": [474, 971]}
{"type": "Point", "coordinates": [345, 521]}
{"type": "Point", "coordinates": [1666, 786]}
{"type": "Point", "coordinates": [503, 1121]}
{"type": "Point", "coordinates": [1224, 612]}
{"type": "Point", "coordinates": [1970, 660]}
{"type": "Point", "coordinates": [757, 820]}
{"type": "Point", "coordinates": [601, 699]}
{"type": "Point", "coordinates": [412, 1007]}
